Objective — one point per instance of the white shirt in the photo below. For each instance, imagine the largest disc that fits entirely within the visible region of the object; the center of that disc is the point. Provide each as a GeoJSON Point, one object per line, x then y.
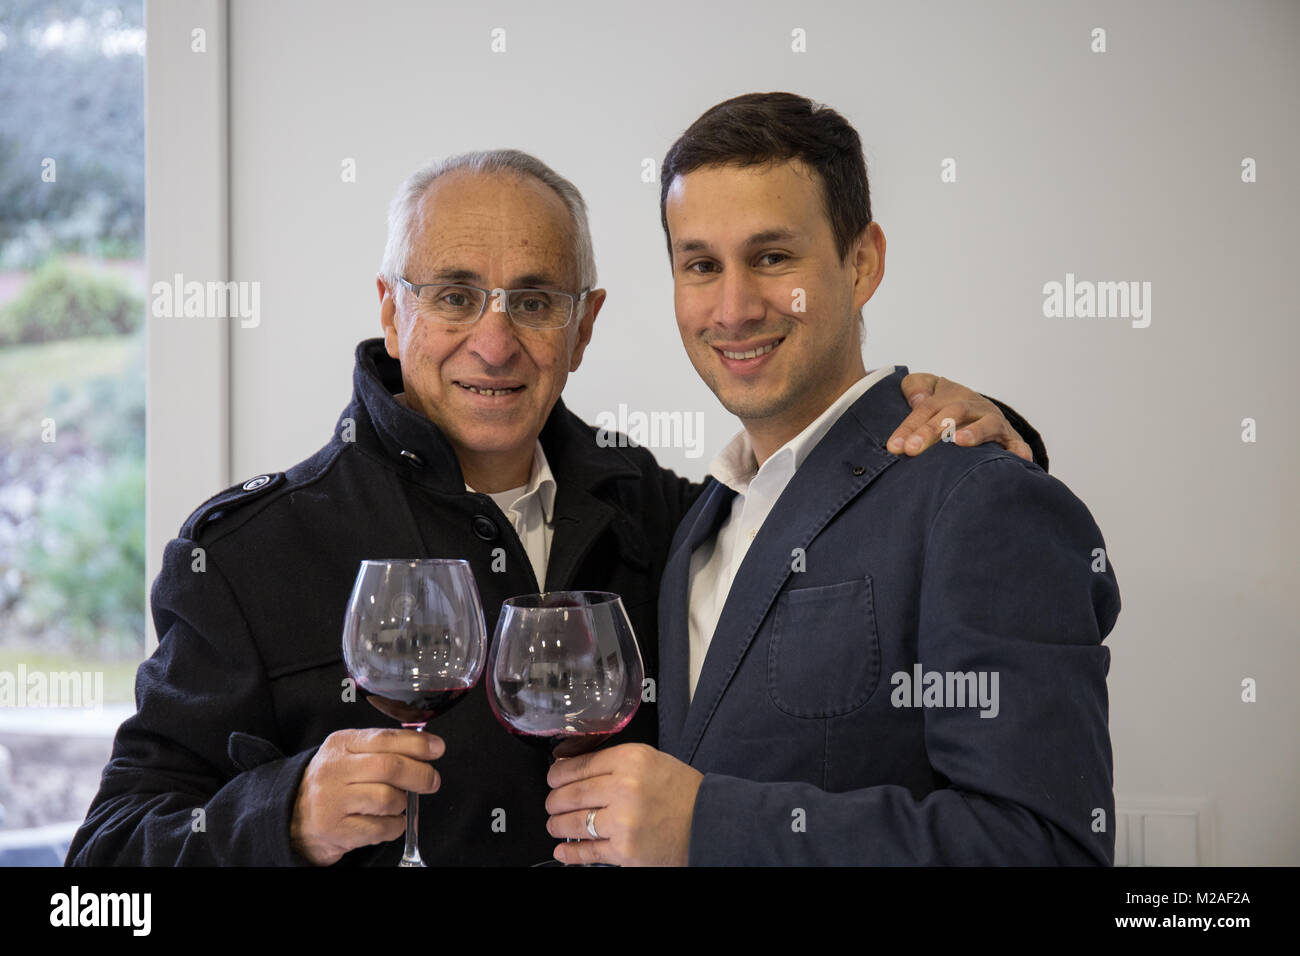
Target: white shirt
{"type": "Point", "coordinates": [716, 560]}
{"type": "Point", "coordinates": [531, 509]}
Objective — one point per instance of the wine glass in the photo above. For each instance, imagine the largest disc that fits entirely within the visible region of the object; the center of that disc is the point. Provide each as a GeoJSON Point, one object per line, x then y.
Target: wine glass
{"type": "Point", "coordinates": [414, 638]}
{"type": "Point", "coordinates": [565, 669]}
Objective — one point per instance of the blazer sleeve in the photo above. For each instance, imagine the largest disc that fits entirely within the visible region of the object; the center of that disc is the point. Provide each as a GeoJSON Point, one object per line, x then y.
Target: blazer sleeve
{"type": "Point", "coordinates": [199, 741]}
{"type": "Point", "coordinates": [1012, 585]}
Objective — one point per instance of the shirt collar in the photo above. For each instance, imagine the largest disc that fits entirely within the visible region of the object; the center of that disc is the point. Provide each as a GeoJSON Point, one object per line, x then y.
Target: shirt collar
{"type": "Point", "coordinates": [737, 465]}
{"type": "Point", "coordinates": [540, 483]}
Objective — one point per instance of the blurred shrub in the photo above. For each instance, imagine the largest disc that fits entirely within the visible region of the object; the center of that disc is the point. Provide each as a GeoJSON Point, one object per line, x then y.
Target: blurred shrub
{"type": "Point", "coordinates": [61, 302]}
{"type": "Point", "coordinates": [85, 569]}
{"type": "Point", "coordinates": [107, 412]}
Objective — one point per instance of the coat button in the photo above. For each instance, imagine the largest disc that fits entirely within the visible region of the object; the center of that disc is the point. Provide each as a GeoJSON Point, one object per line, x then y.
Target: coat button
{"type": "Point", "coordinates": [485, 527]}
{"type": "Point", "coordinates": [858, 469]}
{"type": "Point", "coordinates": [413, 458]}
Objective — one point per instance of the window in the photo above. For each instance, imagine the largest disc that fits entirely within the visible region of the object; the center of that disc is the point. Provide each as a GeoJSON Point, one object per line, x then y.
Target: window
{"type": "Point", "coordinates": [72, 468]}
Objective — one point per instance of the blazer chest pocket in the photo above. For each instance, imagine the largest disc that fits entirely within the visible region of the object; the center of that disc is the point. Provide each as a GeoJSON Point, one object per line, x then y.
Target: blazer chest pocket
{"type": "Point", "coordinates": [824, 655]}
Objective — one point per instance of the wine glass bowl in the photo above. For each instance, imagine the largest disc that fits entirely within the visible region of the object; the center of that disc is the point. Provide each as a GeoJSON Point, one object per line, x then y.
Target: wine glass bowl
{"type": "Point", "coordinates": [564, 669]}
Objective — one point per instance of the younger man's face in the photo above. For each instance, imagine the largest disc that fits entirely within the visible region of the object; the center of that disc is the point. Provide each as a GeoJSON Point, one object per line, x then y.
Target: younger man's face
{"type": "Point", "coordinates": [766, 307]}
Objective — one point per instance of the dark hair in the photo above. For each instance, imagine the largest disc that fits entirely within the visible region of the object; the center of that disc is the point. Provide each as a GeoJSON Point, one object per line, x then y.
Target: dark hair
{"type": "Point", "coordinates": [760, 128]}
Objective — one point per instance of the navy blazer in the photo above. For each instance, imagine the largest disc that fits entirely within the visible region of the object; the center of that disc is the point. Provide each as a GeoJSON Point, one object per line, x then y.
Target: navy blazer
{"type": "Point", "coordinates": [908, 668]}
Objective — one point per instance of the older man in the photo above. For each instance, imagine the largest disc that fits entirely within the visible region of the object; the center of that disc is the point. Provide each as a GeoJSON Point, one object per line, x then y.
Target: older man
{"type": "Point", "coordinates": [248, 747]}
{"type": "Point", "coordinates": [864, 659]}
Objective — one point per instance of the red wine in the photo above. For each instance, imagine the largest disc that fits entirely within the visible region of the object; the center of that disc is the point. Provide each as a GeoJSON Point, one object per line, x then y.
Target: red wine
{"type": "Point", "coordinates": [561, 744]}
{"type": "Point", "coordinates": [408, 706]}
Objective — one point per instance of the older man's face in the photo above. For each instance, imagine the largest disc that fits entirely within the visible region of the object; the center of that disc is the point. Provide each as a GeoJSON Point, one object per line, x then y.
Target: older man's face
{"type": "Point", "coordinates": [491, 230]}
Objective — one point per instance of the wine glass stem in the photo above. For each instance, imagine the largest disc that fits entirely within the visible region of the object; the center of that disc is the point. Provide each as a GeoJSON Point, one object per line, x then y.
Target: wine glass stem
{"type": "Point", "coordinates": [411, 854]}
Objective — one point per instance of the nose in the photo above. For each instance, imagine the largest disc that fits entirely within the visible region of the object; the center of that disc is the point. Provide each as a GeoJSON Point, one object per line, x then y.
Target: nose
{"type": "Point", "coordinates": [742, 299]}
{"type": "Point", "coordinates": [492, 338]}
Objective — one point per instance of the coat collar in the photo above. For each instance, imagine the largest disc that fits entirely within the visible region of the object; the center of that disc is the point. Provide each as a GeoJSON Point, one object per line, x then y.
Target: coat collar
{"type": "Point", "coordinates": [844, 462]}
{"type": "Point", "coordinates": [583, 507]}
{"type": "Point", "coordinates": [409, 439]}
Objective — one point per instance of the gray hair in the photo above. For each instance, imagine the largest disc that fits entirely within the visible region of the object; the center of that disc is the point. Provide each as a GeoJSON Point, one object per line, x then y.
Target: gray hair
{"type": "Point", "coordinates": [401, 212]}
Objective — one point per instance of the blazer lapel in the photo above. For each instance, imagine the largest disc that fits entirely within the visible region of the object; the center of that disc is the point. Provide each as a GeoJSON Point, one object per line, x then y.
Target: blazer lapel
{"type": "Point", "coordinates": [701, 523]}
{"type": "Point", "coordinates": [844, 462]}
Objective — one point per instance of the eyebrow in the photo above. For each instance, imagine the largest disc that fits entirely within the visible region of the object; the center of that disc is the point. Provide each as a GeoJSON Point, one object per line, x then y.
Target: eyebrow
{"type": "Point", "coordinates": [757, 239]}
{"type": "Point", "coordinates": [531, 280]}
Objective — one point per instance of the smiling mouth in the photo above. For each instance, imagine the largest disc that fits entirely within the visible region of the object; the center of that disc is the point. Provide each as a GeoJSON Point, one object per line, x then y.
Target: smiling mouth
{"type": "Point", "coordinates": [752, 353]}
{"type": "Point", "coordinates": [490, 392]}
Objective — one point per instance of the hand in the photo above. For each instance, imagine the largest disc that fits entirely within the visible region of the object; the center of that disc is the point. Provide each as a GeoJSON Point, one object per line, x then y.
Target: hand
{"type": "Point", "coordinates": [353, 792]}
{"type": "Point", "coordinates": [935, 400]}
{"type": "Point", "coordinates": [644, 801]}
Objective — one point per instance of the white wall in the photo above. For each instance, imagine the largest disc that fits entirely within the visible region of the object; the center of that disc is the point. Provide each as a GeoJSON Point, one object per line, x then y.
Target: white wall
{"type": "Point", "coordinates": [186, 231]}
{"type": "Point", "coordinates": [1123, 165]}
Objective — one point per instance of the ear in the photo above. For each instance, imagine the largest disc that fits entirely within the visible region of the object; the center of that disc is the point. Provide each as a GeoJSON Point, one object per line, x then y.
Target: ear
{"type": "Point", "coordinates": [388, 316]}
{"type": "Point", "coordinates": [868, 257]}
{"type": "Point", "coordinates": [595, 299]}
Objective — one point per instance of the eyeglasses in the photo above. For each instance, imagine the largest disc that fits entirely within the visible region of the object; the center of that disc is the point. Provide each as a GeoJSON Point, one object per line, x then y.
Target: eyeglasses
{"type": "Point", "coordinates": [464, 304]}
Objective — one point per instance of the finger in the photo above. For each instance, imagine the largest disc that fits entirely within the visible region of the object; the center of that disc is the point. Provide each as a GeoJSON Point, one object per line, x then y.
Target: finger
{"type": "Point", "coordinates": [992, 427]}
{"type": "Point", "coordinates": [1021, 449]}
{"type": "Point", "coordinates": [597, 763]}
{"type": "Point", "coordinates": [927, 434]}
{"type": "Point", "coordinates": [918, 386]}
{"type": "Point", "coordinates": [986, 429]}
{"type": "Point", "coordinates": [584, 851]}
{"type": "Point", "coordinates": [573, 825]}
{"type": "Point", "coordinates": [579, 795]}
{"type": "Point", "coordinates": [413, 743]}
{"type": "Point", "coordinates": [394, 770]}
{"type": "Point", "coordinates": [948, 401]}
{"type": "Point", "coordinates": [568, 769]}
{"type": "Point", "coordinates": [919, 415]}
{"type": "Point", "coordinates": [373, 799]}
{"type": "Point", "coordinates": [926, 421]}
{"type": "Point", "coordinates": [364, 830]}
{"type": "Point", "coordinates": [982, 416]}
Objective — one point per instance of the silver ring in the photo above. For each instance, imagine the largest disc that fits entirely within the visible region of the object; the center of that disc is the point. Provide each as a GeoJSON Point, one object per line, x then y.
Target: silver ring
{"type": "Point", "coordinates": [591, 824]}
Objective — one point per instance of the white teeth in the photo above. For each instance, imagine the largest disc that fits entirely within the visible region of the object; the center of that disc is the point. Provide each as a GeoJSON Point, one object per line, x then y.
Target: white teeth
{"type": "Point", "coordinates": [752, 353]}
{"type": "Point", "coordinates": [487, 391]}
